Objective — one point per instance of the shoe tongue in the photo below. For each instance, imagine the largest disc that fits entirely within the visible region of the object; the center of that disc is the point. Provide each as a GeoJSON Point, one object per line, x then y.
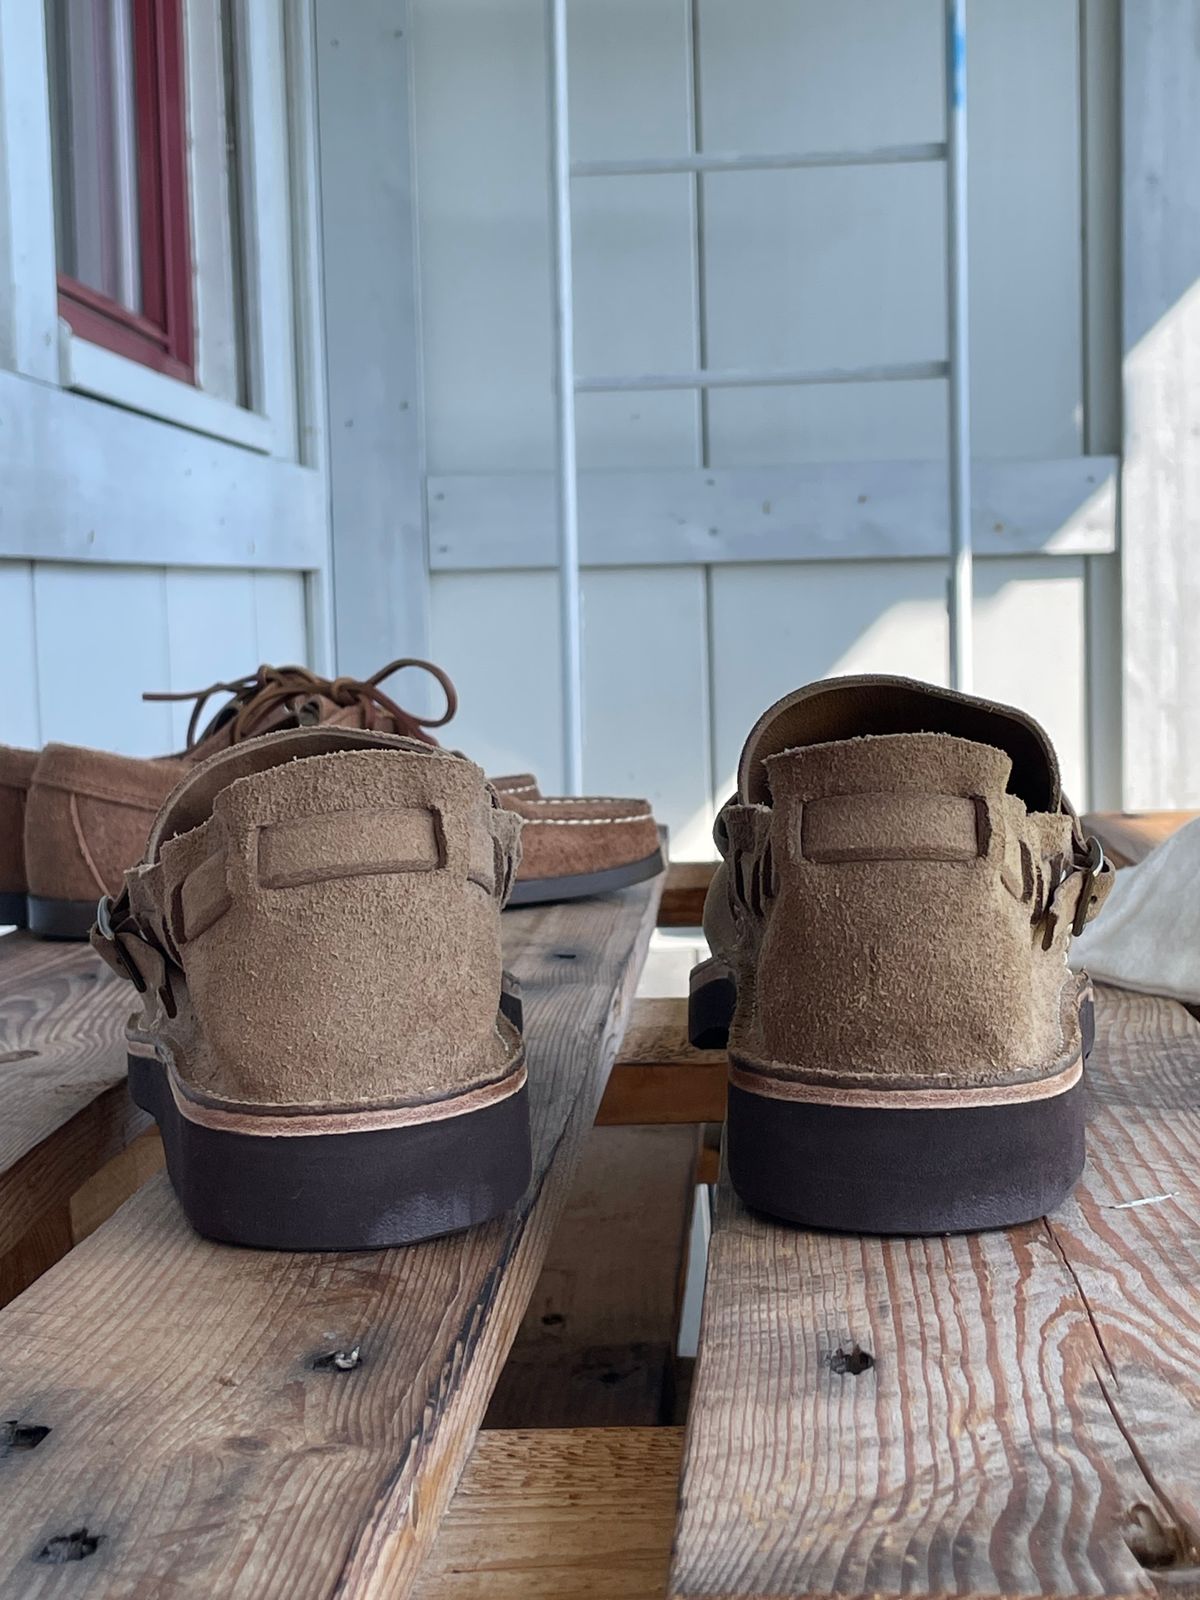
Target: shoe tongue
{"type": "Point", "coordinates": [851, 708]}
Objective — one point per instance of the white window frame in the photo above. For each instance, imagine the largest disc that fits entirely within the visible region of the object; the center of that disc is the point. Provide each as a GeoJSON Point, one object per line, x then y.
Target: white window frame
{"type": "Point", "coordinates": [155, 433]}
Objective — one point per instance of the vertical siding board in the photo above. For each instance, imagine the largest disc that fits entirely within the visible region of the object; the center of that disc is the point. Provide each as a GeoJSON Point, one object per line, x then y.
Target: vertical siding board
{"type": "Point", "coordinates": [645, 684]}
{"type": "Point", "coordinates": [101, 640]}
{"type": "Point", "coordinates": [211, 635]}
{"type": "Point", "coordinates": [1161, 382]}
{"type": "Point", "coordinates": [20, 721]}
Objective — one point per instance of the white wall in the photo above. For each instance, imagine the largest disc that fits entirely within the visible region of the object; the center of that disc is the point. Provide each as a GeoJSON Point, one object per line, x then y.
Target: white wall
{"type": "Point", "coordinates": [79, 645]}
{"type": "Point", "coordinates": [793, 268]}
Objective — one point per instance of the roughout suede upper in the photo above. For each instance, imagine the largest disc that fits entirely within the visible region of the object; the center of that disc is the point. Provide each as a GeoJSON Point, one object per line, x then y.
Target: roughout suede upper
{"type": "Point", "coordinates": [323, 917]}
{"type": "Point", "coordinates": [895, 915]}
{"type": "Point", "coordinates": [16, 774]}
{"type": "Point", "coordinates": [563, 837]}
{"type": "Point", "coordinates": [87, 818]}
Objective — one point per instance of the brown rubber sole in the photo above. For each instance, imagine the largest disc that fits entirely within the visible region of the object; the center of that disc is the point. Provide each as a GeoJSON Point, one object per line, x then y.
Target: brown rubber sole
{"type": "Point", "coordinates": [61, 919]}
{"type": "Point", "coordinates": [869, 1163]}
{"type": "Point", "coordinates": [579, 885]}
{"type": "Point", "coordinates": [13, 908]}
{"type": "Point", "coordinates": [348, 1181]}
{"type": "Point", "coordinates": [865, 1170]}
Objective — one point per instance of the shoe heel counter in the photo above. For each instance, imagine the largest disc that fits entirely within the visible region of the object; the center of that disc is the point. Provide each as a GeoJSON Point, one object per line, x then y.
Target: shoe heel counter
{"type": "Point", "coordinates": [894, 945]}
{"type": "Point", "coordinates": [373, 905]}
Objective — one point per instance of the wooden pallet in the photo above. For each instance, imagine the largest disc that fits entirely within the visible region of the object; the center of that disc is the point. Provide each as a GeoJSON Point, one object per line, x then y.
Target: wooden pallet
{"type": "Point", "coordinates": [228, 1422]}
{"type": "Point", "coordinates": [1008, 1414]}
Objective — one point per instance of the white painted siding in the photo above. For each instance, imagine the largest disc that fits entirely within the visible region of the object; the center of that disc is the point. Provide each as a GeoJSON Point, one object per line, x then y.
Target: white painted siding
{"type": "Point", "coordinates": [792, 268]}
{"type": "Point", "coordinates": [80, 643]}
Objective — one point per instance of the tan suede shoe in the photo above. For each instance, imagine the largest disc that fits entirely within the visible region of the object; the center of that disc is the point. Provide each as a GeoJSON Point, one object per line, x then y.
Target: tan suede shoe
{"type": "Point", "coordinates": [16, 774]}
{"type": "Point", "coordinates": [585, 846]}
{"type": "Point", "coordinates": [89, 811]}
{"type": "Point", "coordinates": [902, 877]}
{"type": "Point", "coordinates": [86, 819]}
{"type": "Point", "coordinates": [315, 936]}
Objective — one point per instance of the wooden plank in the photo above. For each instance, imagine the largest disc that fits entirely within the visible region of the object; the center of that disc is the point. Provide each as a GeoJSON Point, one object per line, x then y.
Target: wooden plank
{"type": "Point", "coordinates": [95, 1201]}
{"type": "Point", "coordinates": [658, 1077]}
{"type": "Point", "coordinates": [249, 1465]}
{"type": "Point", "coordinates": [372, 331]}
{"type": "Point", "coordinates": [683, 898]}
{"type": "Point", "coordinates": [817, 511]}
{"type": "Point", "coordinates": [1129, 836]}
{"type": "Point", "coordinates": [1160, 475]}
{"type": "Point", "coordinates": [559, 1514]}
{"type": "Point", "coordinates": [597, 1344]}
{"type": "Point", "coordinates": [241, 509]}
{"type": "Point", "coordinates": [62, 1065]}
{"type": "Point", "coordinates": [1011, 1413]}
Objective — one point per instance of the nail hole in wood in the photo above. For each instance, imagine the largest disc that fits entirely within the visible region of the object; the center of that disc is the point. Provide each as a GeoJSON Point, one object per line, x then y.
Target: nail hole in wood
{"type": "Point", "coordinates": [338, 1360]}
{"type": "Point", "coordinates": [66, 1547]}
{"type": "Point", "coordinates": [564, 955]}
{"type": "Point", "coordinates": [553, 1319]}
{"type": "Point", "coordinates": [20, 1436]}
{"type": "Point", "coordinates": [1155, 1545]}
{"type": "Point", "coordinates": [854, 1361]}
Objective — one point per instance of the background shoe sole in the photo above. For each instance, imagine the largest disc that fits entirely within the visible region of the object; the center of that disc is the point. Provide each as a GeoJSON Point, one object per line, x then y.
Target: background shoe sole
{"type": "Point", "coordinates": [61, 919]}
{"type": "Point", "coordinates": [13, 909]}
{"type": "Point", "coordinates": [578, 885]}
{"type": "Point", "coordinates": [348, 1188]}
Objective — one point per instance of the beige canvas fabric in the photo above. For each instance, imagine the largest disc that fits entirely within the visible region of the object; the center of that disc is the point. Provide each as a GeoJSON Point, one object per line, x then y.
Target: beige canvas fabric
{"type": "Point", "coordinates": [1149, 937]}
{"type": "Point", "coordinates": [896, 906]}
{"type": "Point", "coordinates": [316, 924]}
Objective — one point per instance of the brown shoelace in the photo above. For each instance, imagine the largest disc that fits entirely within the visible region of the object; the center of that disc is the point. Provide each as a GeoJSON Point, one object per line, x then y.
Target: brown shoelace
{"type": "Point", "coordinates": [254, 699]}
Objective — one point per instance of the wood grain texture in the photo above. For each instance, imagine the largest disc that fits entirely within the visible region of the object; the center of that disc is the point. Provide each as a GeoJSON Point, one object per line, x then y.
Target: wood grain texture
{"type": "Point", "coordinates": [193, 1426]}
{"type": "Point", "coordinates": [1029, 1423]}
{"type": "Point", "coordinates": [1129, 836]}
{"type": "Point", "coordinates": [62, 1072]}
{"type": "Point", "coordinates": [658, 1076]}
{"type": "Point", "coordinates": [556, 1514]}
{"type": "Point", "coordinates": [683, 898]}
{"type": "Point", "coordinates": [597, 1345]}
{"type": "Point", "coordinates": [95, 1201]}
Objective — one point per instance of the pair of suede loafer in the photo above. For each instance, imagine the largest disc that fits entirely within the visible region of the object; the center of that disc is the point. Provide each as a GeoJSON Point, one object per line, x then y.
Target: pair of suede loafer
{"type": "Point", "coordinates": [73, 819]}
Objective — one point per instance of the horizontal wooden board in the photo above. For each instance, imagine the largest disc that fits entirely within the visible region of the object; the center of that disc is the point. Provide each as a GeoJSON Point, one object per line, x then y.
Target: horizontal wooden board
{"type": "Point", "coordinates": [198, 1428]}
{"type": "Point", "coordinates": [1028, 1421]}
{"type": "Point", "coordinates": [62, 1072]}
{"type": "Point", "coordinates": [837, 510]}
{"type": "Point", "coordinates": [230, 507]}
{"type": "Point", "coordinates": [659, 1077]}
{"type": "Point", "coordinates": [559, 1514]}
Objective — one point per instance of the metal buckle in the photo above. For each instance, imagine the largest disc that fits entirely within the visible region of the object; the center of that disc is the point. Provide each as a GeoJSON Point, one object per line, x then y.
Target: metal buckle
{"type": "Point", "coordinates": [1092, 867]}
{"type": "Point", "coordinates": [104, 928]}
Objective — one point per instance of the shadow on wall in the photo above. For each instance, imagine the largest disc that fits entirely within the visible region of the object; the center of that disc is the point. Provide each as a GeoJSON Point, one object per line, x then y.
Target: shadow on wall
{"type": "Point", "coordinates": [679, 662]}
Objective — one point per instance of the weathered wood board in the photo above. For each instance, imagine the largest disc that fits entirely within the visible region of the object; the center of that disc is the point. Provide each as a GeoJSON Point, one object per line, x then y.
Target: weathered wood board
{"type": "Point", "coordinates": [202, 1429]}
{"type": "Point", "coordinates": [559, 1514]}
{"type": "Point", "coordinates": [1010, 1413]}
{"type": "Point", "coordinates": [62, 1067]}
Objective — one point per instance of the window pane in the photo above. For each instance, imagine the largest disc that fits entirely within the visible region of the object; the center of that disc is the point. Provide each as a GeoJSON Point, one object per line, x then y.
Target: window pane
{"type": "Point", "coordinates": [95, 145]}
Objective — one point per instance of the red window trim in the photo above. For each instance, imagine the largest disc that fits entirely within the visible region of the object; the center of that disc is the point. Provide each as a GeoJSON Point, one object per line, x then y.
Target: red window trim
{"type": "Point", "coordinates": [161, 335]}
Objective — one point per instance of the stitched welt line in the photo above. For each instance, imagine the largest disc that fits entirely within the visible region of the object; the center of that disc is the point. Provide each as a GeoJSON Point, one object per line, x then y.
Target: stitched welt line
{"type": "Point", "coordinates": [579, 822]}
{"type": "Point", "coordinates": [82, 843]}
